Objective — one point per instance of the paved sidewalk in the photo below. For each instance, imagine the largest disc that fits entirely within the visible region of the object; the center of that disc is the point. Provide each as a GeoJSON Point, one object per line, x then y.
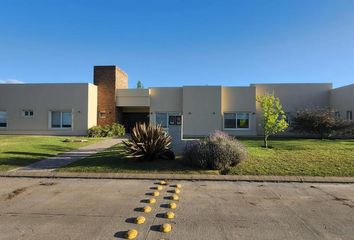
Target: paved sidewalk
{"type": "Point", "coordinates": [50, 164]}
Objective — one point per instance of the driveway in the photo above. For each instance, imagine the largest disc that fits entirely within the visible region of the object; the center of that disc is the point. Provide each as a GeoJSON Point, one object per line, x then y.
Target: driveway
{"type": "Point", "coordinates": [103, 209]}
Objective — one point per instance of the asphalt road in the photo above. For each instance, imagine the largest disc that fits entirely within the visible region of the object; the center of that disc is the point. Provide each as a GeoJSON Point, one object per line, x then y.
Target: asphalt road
{"type": "Point", "coordinates": [103, 209]}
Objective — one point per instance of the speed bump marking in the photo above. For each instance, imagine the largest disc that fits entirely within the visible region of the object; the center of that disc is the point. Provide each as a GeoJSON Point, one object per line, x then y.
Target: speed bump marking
{"type": "Point", "coordinates": [165, 228]}
{"type": "Point", "coordinates": [140, 220]}
{"type": "Point", "coordinates": [174, 197]}
{"type": "Point", "coordinates": [131, 234]}
{"type": "Point", "coordinates": [170, 215]}
{"type": "Point", "coordinates": [172, 205]}
{"type": "Point", "coordinates": [147, 209]}
{"type": "Point", "coordinates": [155, 194]}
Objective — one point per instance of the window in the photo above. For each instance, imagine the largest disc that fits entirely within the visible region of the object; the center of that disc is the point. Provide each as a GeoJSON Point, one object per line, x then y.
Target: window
{"type": "Point", "coordinates": [236, 120]}
{"type": "Point", "coordinates": [61, 119]}
{"type": "Point", "coordinates": [3, 119]}
{"type": "Point", "coordinates": [27, 113]}
{"type": "Point", "coordinates": [229, 120]}
{"type": "Point", "coordinates": [349, 115]}
{"type": "Point", "coordinates": [337, 114]}
{"type": "Point", "coordinates": [161, 118]}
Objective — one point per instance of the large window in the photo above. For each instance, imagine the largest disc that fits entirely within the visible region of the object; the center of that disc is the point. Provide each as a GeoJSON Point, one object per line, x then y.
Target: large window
{"type": "Point", "coordinates": [349, 115]}
{"type": "Point", "coordinates": [162, 119]}
{"type": "Point", "coordinates": [236, 120]}
{"type": "Point", "coordinates": [3, 119]}
{"type": "Point", "coordinates": [61, 119]}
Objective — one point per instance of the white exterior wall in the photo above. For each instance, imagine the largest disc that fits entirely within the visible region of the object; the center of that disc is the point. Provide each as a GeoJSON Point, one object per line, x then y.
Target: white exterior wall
{"type": "Point", "coordinates": [202, 112]}
{"type": "Point", "coordinates": [80, 99]}
{"type": "Point", "coordinates": [342, 100]}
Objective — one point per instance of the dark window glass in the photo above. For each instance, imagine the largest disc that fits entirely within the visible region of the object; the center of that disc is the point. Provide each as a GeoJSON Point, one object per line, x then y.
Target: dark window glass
{"type": "Point", "coordinates": [229, 120]}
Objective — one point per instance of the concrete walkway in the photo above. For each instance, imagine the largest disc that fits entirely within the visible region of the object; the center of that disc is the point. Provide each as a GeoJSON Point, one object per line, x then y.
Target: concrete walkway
{"type": "Point", "coordinates": [50, 164]}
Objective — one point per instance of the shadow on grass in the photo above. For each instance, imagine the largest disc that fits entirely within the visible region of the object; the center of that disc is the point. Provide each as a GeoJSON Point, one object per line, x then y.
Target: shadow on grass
{"type": "Point", "coordinates": [113, 160]}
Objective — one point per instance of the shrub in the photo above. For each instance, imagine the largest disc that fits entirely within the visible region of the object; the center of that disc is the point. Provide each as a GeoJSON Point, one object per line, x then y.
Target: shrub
{"type": "Point", "coordinates": [321, 121]}
{"type": "Point", "coordinates": [113, 130]}
{"type": "Point", "coordinates": [149, 142]}
{"type": "Point", "coordinates": [218, 151]}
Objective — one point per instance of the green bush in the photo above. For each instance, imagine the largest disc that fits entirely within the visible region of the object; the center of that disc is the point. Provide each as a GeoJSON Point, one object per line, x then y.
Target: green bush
{"type": "Point", "coordinates": [218, 151]}
{"type": "Point", "coordinates": [113, 130]}
{"type": "Point", "coordinates": [149, 142]}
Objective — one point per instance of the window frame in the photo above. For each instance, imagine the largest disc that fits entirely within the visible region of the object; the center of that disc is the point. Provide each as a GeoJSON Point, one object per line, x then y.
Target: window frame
{"type": "Point", "coordinates": [6, 115]}
{"type": "Point", "coordinates": [29, 111]}
{"type": "Point", "coordinates": [237, 128]}
{"type": "Point", "coordinates": [61, 120]}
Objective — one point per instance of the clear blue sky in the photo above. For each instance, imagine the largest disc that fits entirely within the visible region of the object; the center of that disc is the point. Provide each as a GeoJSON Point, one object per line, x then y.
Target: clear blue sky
{"type": "Point", "coordinates": [175, 42]}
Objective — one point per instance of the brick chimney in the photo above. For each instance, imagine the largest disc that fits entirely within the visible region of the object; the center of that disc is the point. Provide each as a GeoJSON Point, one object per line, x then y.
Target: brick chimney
{"type": "Point", "coordinates": [108, 79]}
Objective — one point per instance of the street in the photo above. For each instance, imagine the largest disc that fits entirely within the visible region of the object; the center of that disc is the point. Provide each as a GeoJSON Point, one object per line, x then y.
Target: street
{"type": "Point", "coordinates": [104, 209]}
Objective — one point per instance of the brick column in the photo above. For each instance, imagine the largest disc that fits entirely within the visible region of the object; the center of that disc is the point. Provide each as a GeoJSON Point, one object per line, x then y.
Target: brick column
{"type": "Point", "coordinates": [108, 79]}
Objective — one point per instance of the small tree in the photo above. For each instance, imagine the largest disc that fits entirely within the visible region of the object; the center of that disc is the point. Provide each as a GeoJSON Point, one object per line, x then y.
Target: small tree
{"type": "Point", "coordinates": [139, 84]}
{"type": "Point", "coordinates": [273, 116]}
{"type": "Point", "coordinates": [321, 121]}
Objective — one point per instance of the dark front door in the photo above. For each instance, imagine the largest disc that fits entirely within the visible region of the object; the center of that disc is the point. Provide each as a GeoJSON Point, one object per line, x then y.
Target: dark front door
{"type": "Point", "coordinates": [130, 119]}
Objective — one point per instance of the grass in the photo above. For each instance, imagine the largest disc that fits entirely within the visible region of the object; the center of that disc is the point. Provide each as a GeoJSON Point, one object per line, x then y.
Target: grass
{"type": "Point", "coordinates": [112, 160]}
{"type": "Point", "coordinates": [297, 157]}
{"type": "Point", "coordinates": [17, 151]}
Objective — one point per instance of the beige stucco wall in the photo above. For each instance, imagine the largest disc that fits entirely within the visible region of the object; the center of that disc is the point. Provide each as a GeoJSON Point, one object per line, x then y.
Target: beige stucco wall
{"type": "Point", "coordinates": [132, 97]}
{"type": "Point", "coordinates": [295, 96]}
{"type": "Point", "coordinates": [201, 110]}
{"type": "Point", "coordinates": [165, 99]}
{"type": "Point", "coordinates": [92, 106]}
{"type": "Point", "coordinates": [43, 98]}
{"type": "Point", "coordinates": [240, 99]}
{"type": "Point", "coordinates": [342, 99]}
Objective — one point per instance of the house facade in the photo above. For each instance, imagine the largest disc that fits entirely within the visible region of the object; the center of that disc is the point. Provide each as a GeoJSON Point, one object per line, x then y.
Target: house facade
{"type": "Point", "coordinates": [191, 111]}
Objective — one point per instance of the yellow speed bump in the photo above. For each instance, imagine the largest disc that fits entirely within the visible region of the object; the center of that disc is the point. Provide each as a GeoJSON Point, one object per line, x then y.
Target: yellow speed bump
{"type": "Point", "coordinates": [140, 220]}
{"type": "Point", "coordinates": [163, 183]}
{"type": "Point", "coordinates": [155, 194]}
{"type": "Point", "coordinates": [175, 197]}
{"type": "Point", "coordinates": [165, 228]}
{"type": "Point", "coordinates": [172, 205]}
{"type": "Point", "coordinates": [147, 209]}
{"type": "Point", "coordinates": [159, 188]}
{"type": "Point", "coordinates": [176, 190]}
{"type": "Point", "coordinates": [178, 186]}
{"type": "Point", "coordinates": [131, 234]}
{"type": "Point", "coordinates": [170, 215]}
{"type": "Point", "coordinates": [152, 200]}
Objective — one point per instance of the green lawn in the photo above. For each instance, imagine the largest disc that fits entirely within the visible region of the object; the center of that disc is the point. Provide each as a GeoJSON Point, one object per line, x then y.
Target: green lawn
{"type": "Point", "coordinates": [112, 160]}
{"type": "Point", "coordinates": [298, 157]}
{"type": "Point", "coordinates": [17, 151]}
{"type": "Point", "coordinates": [301, 157]}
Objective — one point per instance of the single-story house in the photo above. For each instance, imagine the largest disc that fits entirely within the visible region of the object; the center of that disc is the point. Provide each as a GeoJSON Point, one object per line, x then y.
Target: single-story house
{"type": "Point", "coordinates": [72, 108]}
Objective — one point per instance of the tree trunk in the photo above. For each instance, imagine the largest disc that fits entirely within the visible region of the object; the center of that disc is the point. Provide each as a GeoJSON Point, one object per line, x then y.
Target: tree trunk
{"type": "Point", "coordinates": [265, 141]}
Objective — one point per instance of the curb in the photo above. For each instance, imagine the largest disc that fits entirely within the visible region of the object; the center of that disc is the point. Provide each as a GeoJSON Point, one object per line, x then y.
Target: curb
{"type": "Point", "coordinates": [185, 177]}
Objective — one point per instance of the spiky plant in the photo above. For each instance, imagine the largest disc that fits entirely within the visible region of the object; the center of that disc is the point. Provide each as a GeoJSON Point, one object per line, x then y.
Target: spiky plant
{"type": "Point", "coordinates": [148, 142]}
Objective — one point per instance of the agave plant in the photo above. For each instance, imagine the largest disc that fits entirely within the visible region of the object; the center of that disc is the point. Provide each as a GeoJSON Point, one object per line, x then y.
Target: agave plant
{"type": "Point", "coordinates": [148, 142]}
